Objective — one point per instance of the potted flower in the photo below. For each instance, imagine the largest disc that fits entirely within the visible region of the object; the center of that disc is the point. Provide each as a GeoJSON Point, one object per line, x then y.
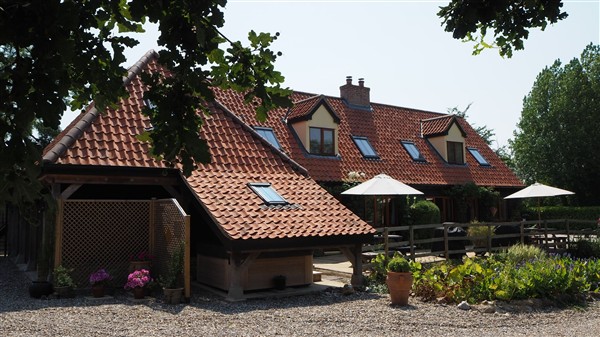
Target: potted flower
{"type": "Point", "coordinates": [137, 281]}
{"type": "Point", "coordinates": [399, 279]}
{"type": "Point", "coordinates": [99, 280]}
{"type": "Point", "coordinates": [171, 280]}
{"type": "Point", "coordinates": [63, 282]}
{"type": "Point", "coordinates": [139, 261]}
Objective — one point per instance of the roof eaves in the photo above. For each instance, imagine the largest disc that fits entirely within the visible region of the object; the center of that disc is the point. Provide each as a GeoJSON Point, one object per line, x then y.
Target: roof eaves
{"type": "Point", "coordinates": [92, 113]}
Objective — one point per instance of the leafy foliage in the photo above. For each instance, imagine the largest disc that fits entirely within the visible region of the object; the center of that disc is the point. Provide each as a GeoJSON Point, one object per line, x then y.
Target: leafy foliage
{"type": "Point", "coordinates": [380, 265]}
{"type": "Point", "coordinates": [62, 277]}
{"type": "Point", "coordinates": [509, 21]}
{"type": "Point", "coordinates": [556, 139]}
{"type": "Point", "coordinates": [518, 274]}
{"type": "Point", "coordinates": [171, 279]}
{"type": "Point", "coordinates": [55, 54]}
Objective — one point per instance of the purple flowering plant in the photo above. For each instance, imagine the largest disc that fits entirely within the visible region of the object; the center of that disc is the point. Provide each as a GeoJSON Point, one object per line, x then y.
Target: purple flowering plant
{"type": "Point", "coordinates": [141, 256]}
{"type": "Point", "coordinates": [138, 279]}
{"type": "Point", "coordinates": [99, 277]}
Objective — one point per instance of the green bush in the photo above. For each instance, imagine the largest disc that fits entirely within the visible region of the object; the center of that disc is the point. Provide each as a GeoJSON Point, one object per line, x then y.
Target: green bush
{"type": "Point", "coordinates": [398, 264]}
{"type": "Point", "coordinates": [424, 212]}
{"type": "Point", "coordinates": [586, 249]}
{"type": "Point", "coordinates": [520, 273]}
{"type": "Point", "coordinates": [566, 212]}
{"type": "Point", "coordinates": [520, 253]}
{"type": "Point", "coordinates": [478, 234]}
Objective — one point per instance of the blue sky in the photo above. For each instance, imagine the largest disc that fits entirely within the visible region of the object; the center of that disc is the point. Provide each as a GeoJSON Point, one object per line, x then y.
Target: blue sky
{"type": "Point", "coordinates": [403, 53]}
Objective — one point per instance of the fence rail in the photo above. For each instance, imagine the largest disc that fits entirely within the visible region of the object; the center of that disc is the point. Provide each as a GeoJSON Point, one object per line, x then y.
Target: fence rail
{"type": "Point", "coordinates": [450, 240]}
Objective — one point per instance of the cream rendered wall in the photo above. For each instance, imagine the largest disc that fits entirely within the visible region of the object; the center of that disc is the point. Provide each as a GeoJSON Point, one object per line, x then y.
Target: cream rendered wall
{"type": "Point", "coordinates": [320, 119]}
{"type": "Point", "coordinates": [454, 135]}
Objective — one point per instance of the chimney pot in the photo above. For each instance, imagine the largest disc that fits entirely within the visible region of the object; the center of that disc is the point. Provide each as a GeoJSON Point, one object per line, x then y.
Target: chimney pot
{"type": "Point", "coordinates": [348, 79]}
{"type": "Point", "coordinates": [361, 82]}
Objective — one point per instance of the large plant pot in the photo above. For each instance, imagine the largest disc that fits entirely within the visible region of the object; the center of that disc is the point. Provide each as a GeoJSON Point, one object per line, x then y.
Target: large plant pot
{"type": "Point", "coordinates": [173, 296]}
{"type": "Point", "coordinates": [399, 286]}
{"type": "Point", "coordinates": [37, 289]}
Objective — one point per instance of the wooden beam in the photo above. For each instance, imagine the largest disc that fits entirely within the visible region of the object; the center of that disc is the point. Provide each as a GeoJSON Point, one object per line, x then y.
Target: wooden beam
{"type": "Point", "coordinates": [187, 277]}
{"type": "Point", "coordinates": [100, 179]}
{"type": "Point", "coordinates": [66, 194]}
{"type": "Point", "coordinates": [237, 266]}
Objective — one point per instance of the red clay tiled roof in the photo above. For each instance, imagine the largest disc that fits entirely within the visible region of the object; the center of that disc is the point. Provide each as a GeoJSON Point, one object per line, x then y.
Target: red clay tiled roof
{"type": "Point", "coordinates": [239, 156]}
{"type": "Point", "coordinates": [304, 109]}
{"type": "Point", "coordinates": [439, 126]}
{"type": "Point", "coordinates": [385, 127]}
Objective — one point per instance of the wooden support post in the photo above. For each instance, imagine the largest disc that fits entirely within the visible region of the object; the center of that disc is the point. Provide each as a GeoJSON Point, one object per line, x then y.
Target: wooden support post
{"type": "Point", "coordinates": [58, 238]}
{"type": "Point", "coordinates": [237, 266]}
{"type": "Point", "coordinates": [568, 234]}
{"type": "Point", "coordinates": [386, 244]}
{"type": "Point", "coordinates": [354, 255]}
{"type": "Point", "coordinates": [446, 245]}
{"type": "Point", "coordinates": [522, 227]}
{"type": "Point", "coordinates": [411, 241]}
{"type": "Point", "coordinates": [187, 277]}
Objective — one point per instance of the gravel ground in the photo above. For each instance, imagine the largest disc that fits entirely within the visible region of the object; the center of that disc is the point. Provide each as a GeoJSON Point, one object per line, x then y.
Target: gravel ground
{"type": "Point", "coordinates": [329, 313]}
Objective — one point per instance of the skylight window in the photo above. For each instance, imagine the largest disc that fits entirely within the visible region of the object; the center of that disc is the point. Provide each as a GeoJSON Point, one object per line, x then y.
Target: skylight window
{"type": "Point", "coordinates": [413, 151]}
{"type": "Point", "coordinates": [267, 193]}
{"type": "Point", "coordinates": [269, 135]}
{"type": "Point", "coordinates": [480, 159]}
{"type": "Point", "coordinates": [365, 147]}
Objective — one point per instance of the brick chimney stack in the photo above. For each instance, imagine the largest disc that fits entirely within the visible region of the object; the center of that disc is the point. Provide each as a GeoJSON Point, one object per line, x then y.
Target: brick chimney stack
{"type": "Point", "coordinates": [356, 96]}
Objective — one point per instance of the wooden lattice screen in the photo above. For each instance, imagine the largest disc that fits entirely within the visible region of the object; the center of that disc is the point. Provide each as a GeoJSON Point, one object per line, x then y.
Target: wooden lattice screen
{"type": "Point", "coordinates": [171, 229]}
{"type": "Point", "coordinates": [94, 234]}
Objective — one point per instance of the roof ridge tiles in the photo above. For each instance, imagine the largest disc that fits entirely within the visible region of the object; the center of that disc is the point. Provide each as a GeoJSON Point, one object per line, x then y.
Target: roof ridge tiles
{"type": "Point", "coordinates": [92, 114]}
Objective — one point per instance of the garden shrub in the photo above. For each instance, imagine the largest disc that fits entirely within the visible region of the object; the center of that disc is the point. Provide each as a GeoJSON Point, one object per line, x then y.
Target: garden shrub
{"type": "Point", "coordinates": [424, 212]}
{"type": "Point", "coordinates": [520, 273]}
{"type": "Point", "coordinates": [520, 253]}
{"type": "Point", "coordinates": [586, 249]}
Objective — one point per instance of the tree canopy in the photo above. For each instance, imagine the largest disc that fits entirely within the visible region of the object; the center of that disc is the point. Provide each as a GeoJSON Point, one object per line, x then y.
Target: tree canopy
{"type": "Point", "coordinates": [55, 54]}
{"type": "Point", "coordinates": [509, 21]}
{"type": "Point", "coordinates": [556, 141]}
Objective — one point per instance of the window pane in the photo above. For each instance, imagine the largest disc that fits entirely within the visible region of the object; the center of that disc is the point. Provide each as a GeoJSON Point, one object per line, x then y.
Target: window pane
{"type": "Point", "coordinates": [267, 193]}
{"type": "Point", "coordinates": [480, 159]}
{"type": "Point", "coordinates": [269, 135]}
{"type": "Point", "coordinates": [412, 150]}
{"type": "Point", "coordinates": [328, 144]}
{"type": "Point", "coordinates": [455, 153]}
{"type": "Point", "coordinates": [364, 146]}
{"type": "Point", "coordinates": [315, 140]}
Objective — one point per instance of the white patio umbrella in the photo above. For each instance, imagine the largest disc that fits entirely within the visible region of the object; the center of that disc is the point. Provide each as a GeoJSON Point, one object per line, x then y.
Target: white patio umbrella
{"type": "Point", "coordinates": [538, 191]}
{"type": "Point", "coordinates": [382, 185]}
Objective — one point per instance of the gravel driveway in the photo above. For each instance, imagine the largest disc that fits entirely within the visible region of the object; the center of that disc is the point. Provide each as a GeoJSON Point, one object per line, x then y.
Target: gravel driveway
{"type": "Point", "coordinates": [328, 313]}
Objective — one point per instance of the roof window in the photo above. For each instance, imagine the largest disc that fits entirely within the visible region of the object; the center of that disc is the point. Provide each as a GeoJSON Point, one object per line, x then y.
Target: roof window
{"type": "Point", "coordinates": [480, 159]}
{"type": "Point", "coordinates": [365, 147]}
{"type": "Point", "coordinates": [269, 135]}
{"type": "Point", "coordinates": [267, 193]}
{"type": "Point", "coordinates": [413, 151]}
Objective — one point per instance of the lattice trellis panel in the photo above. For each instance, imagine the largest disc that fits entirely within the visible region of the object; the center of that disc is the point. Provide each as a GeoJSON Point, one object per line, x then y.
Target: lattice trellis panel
{"type": "Point", "coordinates": [103, 233]}
{"type": "Point", "coordinates": [169, 232]}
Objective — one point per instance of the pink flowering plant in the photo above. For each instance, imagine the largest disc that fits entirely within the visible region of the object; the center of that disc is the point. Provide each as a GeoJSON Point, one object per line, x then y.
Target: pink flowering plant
{"type": "Point", "coordinates": [100, 277]}
{"type": "Point", "coordinates": [138, 279]}
{"type": "Point", "coordinates": [141, 256]}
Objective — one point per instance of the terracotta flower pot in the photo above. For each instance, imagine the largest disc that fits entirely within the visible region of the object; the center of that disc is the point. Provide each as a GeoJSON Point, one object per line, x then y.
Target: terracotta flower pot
{"type": "Point", "coordinates": [139, 293]}
{"type": "Point", "coordinates": [98, 290]}
{"type": "Point", "coordinates": [399, 285]}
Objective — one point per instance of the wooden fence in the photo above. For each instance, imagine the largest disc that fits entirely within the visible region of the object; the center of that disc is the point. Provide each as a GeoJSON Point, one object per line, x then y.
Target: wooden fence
{"type": "Point", "coordinates": [450, 240]}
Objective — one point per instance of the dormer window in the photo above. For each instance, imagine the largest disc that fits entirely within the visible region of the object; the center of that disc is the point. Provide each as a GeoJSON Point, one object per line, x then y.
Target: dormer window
{"type": "Point", "coordinates": [267, 193]}
{"type": "Point", "coordinates": [480, 159]}
{"type": "Point", "coordinates": [413, 151]}
{"type": "Point", "coordinates": [455, 153]}
{"type": "Point", "coordinates": [322, 141]}
{"type": "Point", "coordinates": [269, 135]}
{"type": "Point", "coordinates": [365, 147]}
